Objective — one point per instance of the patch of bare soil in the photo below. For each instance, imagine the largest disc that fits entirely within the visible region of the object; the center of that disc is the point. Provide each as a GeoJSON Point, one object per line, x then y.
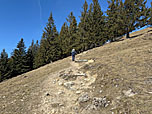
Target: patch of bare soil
{"type": "Point", "coordinates": [113, 79]}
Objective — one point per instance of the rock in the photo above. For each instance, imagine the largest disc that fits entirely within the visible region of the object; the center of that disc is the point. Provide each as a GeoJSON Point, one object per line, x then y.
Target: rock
{"type": "Point", "coordinates": [150, 50]}
{"type": "Point", "coordinates": [91, 61]}
{"type": "Point", "coordinates": [82, 84]}
{"type": "Point", "coordinates": [61, 105]}
{"type": "Point", "coordinates": [54, 81]}
{"type": "Point", "coordinates": [102, 85]}
{"type": "Point", "coordinates": [60, 83]}
{"type": "Point", "coordinates": [53, 111]}
{"type": "Point", "coordinates": [100, 102]}
{"type": "Point", "coordinates": [100, 91]}
{"type": "Point", "coordinates": [25, 76]}
{"type": "Point", "coordinates": [106, 105]}
{"type": "Point", "coordinates": [92, 107]}
{"type": "Point", "coordinates": [69, 84]}
{"type": "Point", "coordinates": [85, 60]}
{"type": "Point", "coordinates": [80, 74]}
{"type": "Point", "coordinates": [60, 92]}
{"type": "Point", "coordinates": [47, 94]}
{"type": "Point", "coordinates": [3, 97]}
{"type": "Point", "coordinates": [150, 92]}
{"type": "Point", "coordinates": [86, 79]}
{"type": "Point", "coordinates": [85, 52]}
{"type": "Point", "coordinates": [129, 93]}
{"type": "Point", "coordinates": [78, 92]}
{"type": "Point", "coordinates": [116, 85]}
{"type": "Point", "coordinates": [118, 97]}
{"type": "Point", "coordinates": [55, 105]}
{"type": "Point", "coordinates": [84, 98]}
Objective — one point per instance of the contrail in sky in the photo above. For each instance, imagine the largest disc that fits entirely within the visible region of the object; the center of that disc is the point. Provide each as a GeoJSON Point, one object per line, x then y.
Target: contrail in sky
{"type": "Point", "coordinates": [39, 3]}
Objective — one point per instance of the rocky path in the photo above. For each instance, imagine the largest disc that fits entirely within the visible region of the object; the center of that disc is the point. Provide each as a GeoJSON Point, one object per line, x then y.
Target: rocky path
{"type": "Point", "coordinates": [62, 90]}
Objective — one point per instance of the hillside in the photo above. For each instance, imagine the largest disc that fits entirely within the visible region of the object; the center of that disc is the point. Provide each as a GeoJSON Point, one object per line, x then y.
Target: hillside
{"type": "Point", "coordinates": [112, 79]}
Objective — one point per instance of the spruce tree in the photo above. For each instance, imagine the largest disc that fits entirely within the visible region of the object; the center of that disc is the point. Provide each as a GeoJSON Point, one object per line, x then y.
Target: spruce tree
{"type": "Point", "coordinates": [18, 61]}
{"type": "Point", "coordinates": [96, 22]}
{"type": "Point", "coordinates": [150, 16]}
{"type": "Point", "coordinates": [114, 19]}
{"type": "Point", "coordinates": [49, 46]}
{"type": "Point", "coordinates": [3, 65]}
{"type": "Point", "coordinates": [83, 27]}
{"type": "Point", "coordinates": [134, 15]}
{"type": "Point", "coordinates": [72, 39]}
{"type": "Point", "coordinates": [63, 38]}
{"type": "Point", "coordinates": [35, 53]}
{"type": "Point", "coordinates": [40, 56]}
{"type": "Point", "coordinates": [30, 56]}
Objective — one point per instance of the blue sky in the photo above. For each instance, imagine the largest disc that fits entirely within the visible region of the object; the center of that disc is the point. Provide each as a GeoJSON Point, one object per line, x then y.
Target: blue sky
{"type": "Point", "coordinates": [27, 18]}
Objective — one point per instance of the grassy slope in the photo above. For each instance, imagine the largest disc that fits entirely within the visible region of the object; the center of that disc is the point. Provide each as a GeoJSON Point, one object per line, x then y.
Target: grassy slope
{"type": "Point", "coordinates": [120, 66]}
{"type": "Point", "coordinates": [21, 94]}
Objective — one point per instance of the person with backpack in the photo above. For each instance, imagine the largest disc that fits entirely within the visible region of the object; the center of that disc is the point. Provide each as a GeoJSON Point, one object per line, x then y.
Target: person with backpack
{"type": "Point", "coordinates": [73, 53]}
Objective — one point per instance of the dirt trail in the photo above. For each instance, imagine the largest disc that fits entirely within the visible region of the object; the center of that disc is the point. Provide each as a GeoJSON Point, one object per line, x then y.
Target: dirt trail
{"type": "Point", "coordinates": [60, 95]}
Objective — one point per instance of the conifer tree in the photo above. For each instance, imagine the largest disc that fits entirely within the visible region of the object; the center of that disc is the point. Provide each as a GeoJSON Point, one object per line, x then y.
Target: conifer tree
{"type": "Point", "coordinates": [72, 40]}
{"type": "Point", "coordinates": [150, 16]}
{"type": "Point", "coordinates": [96, 23]}
{"type": "Point", "coordinates": [18, 61]}
{"type": "Point", "coordinates": [41, 54]}
{"type": "Point", "coordinates": [83, 27]}
{"type": "Point", "coordinates": [3, 65]}
{"type": "Point", "coordinates": [134, 15]}
{"type": "Point", "coordinates": [63, 39]}
{"type": "Point", "coordinates": [114, 19]}
{"type": "Point", "coordinates": [49, 46]}
{"type": "Point", "coordinates": [35, 53]}
{"type": "Point", "coordinates": [30, 56]}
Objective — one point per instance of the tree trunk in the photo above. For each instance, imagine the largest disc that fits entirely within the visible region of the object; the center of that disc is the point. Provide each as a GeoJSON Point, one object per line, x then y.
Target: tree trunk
{"type": "Point", "coordinates": [127, 35]}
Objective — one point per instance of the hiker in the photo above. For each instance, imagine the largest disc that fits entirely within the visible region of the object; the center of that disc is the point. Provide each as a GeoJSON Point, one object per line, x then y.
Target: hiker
{"type": "Point", "coordinates": [73, 53]}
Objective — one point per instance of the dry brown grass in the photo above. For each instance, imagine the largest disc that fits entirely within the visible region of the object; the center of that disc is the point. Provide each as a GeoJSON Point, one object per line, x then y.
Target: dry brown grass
{"type": "Point", "coordinates": [120, 66]}
{"type": "Point", "coordinates": [21, 94]}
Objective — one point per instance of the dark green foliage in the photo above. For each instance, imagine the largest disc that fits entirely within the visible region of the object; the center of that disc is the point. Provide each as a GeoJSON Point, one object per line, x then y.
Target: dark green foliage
{"type": "Point", "coordinates": [91, 26]}
{"type": "Point", "coordinates": [95, 24]}
{"type": "Point", "coordinates": [69, 36]}
{"type": "Point", "coordinates": [63, 39]}
{"type": "Point", "coordinates": [125, 17]}
{"type": "Point", "coordinates": [73, 41]}
{"type": "Point", "coordinates": [3, 65]}
{"type": "Point", "coordinates": [49, 46]}
{"type": "Point", "coordinates": [35, 53]}
{"type": "Point", "coordinates": [150, 16]}
{"type": "Point", "coordinates": [114, 25]}
{"type": "Point", "coordinates": [18, 61]}
{"type": "Point", "coordinates": [134, 15]}
{"type": "Point", "coordinates": [31, 54]}
{"type": "Point", "coordinates": [83, 28]}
